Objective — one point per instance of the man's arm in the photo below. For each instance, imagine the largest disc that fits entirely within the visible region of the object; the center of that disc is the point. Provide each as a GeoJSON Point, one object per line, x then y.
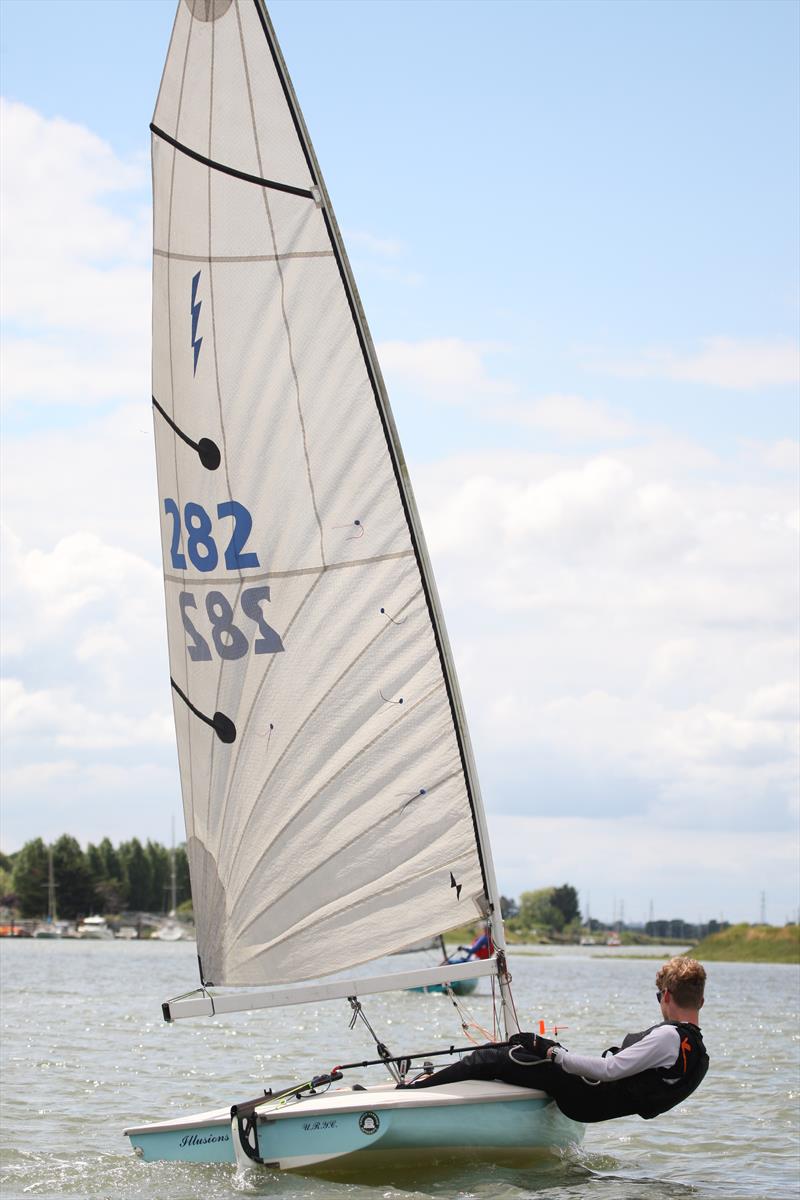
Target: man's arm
{"type": "Point", "coordinates": [659, 1049]}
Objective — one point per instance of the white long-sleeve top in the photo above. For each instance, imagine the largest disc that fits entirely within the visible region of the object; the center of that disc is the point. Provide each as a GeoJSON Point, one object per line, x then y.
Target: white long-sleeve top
{"type": "Point", "coordinates": [659, 1049]}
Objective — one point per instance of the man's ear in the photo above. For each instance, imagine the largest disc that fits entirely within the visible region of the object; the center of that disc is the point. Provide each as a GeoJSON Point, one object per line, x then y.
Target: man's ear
{"type": "Point", "coordinates": [702, 1002]}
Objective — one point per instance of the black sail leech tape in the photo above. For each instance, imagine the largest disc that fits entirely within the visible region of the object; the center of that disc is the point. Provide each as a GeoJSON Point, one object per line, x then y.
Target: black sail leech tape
{"type": "Point", "coordinates": [216, 166]}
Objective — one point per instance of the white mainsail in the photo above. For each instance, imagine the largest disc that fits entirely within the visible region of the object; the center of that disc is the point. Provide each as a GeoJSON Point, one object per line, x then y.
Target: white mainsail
{"type": "Point", "coordinates": [331, 805]}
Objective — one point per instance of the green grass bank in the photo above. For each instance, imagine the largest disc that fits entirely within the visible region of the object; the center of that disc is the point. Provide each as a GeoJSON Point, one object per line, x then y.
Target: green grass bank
{"type": "Point", "coordinates": [751, 943]}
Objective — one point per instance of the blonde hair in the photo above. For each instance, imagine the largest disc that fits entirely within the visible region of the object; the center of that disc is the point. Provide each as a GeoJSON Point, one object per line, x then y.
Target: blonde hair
{"type": "Point", "coordinates": [685, 978]}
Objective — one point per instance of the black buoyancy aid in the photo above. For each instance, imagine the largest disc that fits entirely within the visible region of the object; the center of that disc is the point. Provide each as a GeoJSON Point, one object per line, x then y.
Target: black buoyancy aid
{"type": "Point", "coordinates": [658, 1089]}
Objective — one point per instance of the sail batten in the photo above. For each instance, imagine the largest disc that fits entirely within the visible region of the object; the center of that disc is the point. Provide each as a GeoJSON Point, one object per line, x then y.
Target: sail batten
{"type": "Point", "coordinates": [238, 258]}
{"type": "Point", "coordinates": [226, 170]}
{"type": "Point", "coordinates": [332, 807]}
{"type": "Point", "coordinates": [288, 574]}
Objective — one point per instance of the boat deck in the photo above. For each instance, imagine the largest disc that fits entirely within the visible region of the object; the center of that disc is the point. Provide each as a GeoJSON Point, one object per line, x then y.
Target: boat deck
{"type": "Point", "coordinates": [343, 1100]}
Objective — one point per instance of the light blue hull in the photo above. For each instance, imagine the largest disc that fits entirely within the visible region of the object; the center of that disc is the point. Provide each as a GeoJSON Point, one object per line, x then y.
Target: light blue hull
{"type": "Point", "coordinates": [344, 1129]}
{"type": "Point", "coordinates": [461, 987]}
{"type": "Point", "coordinates": [202, 1144]}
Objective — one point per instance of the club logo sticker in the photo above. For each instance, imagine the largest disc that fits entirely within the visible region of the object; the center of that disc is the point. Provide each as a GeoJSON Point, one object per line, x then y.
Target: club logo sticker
{"type": "Point", "coordinates": [368, 1122]}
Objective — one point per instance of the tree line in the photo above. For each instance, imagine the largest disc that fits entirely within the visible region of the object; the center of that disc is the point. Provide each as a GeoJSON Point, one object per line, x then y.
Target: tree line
{"type": "Point", "coordinates": [106, 879]}
{"type": "Point", "coordinates": [554, 909]}
{"type": "Point", "coordinates": [132, 877]}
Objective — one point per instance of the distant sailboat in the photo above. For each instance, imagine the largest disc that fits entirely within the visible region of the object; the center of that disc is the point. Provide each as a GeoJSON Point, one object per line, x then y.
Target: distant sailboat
{"type": "Point", "coordinates": [481, 948]}
{"type": "Point", "coordinates": [586, 939]}
{"type": "Point", "coordinates": [171, 930]}
{"type": "Point", "coordinates": [50, 928]}
{"type": "Point", "coordinates": [332, 807]}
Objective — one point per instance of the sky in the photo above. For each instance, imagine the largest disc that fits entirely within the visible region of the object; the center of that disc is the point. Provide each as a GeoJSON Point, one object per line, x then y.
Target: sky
{"type": "Point", "coordinates": [574, 230]}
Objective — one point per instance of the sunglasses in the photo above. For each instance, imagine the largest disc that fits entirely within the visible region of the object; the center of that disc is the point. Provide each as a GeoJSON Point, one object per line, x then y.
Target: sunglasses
{"type": "Point", "coordinates": [660, 994]}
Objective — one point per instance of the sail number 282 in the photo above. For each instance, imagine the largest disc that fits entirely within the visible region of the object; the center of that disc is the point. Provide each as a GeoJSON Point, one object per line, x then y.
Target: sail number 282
{"type": "Point", "coordinates": [201, 544]}
{"type": "Point", "coordinates": [223, 625]}
{"type": "Point", "coordinates": [231, 633]}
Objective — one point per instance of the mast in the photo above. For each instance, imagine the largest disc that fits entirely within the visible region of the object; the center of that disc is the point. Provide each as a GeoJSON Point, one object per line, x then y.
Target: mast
{"type": "Point", "coordinates": [493, 916]}
{"type": "Point", "coordinates": [172, 875]}
{"type": "Point", "coordinates": [51, 888]}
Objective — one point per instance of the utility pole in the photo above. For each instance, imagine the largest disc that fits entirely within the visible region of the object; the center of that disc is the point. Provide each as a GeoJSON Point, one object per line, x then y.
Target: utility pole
{"type": "Point", "coordinates": [763, 915]}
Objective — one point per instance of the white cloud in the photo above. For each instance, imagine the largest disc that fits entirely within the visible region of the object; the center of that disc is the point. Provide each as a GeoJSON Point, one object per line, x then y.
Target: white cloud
{"type": "Point", "coordinates": [85, 695]}
{"type": "Point", "coordinates": [382, 258]}
{"type": "Point", "coordinates": [53, 370]}
{"type": "Point", "coordinates": [33, 777]}
{"type": "Point", "coordinates": [593, 507]}
{"type": "Point", "coordinates": [55, 716]}
{"type": "Point", "coordinates": [783, 455]}
{"type": "Point", "coordinates": [85, 612]}
{"type": "Point", "coordinates": [449, 370]}
{"type": "Point", "coordinates": [84, 639]}
{"type": "Point", "coordinates": [779, 702]}
{"type": "Point", "coordinates": [86, 672]}
{"type": "Point", "coordinates": [571, 417]}
{"type": "Point", "coordinates": [380, 247]}
{"type": "Point", "coordinates": [722, 362]}
{"type": "Point", "coordinates": [626, 633]}
{"type": "Point", "coordinates": [97, 478]}
{"type": "Point", "coordinates": [75, 270]}
{"type": "Point", "coordinates": [89, 799]}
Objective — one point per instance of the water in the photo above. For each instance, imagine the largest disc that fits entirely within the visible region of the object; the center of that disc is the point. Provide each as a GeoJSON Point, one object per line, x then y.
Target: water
{"type": "Point", "coordinates": [85, 1053]}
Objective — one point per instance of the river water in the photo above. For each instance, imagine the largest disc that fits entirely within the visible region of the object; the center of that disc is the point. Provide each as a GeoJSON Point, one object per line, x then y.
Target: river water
{"type": "Point", "coordinates": [85, 1053]}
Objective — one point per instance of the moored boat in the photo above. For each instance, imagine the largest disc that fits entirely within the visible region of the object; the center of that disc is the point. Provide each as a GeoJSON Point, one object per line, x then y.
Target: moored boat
{"type": "Point", "coordinates": [49, 930]}
{"type": "Point", "coordinates": [95, 929]}
{"type": "Point", "coordinates": [170, 931]}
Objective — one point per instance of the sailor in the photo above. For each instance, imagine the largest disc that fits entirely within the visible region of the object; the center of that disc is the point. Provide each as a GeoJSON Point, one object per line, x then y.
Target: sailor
{"type": "Point", "coordinates": [482, 947]}
{"type": "Point", "coordinates": [648, 1074]}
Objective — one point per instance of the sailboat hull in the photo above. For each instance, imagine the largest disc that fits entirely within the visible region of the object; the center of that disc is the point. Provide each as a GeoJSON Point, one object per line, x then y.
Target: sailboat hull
{"type": "Point", "coordinates": [460, 987]}
{"type": "Point", "coordinates": [346, 1131]}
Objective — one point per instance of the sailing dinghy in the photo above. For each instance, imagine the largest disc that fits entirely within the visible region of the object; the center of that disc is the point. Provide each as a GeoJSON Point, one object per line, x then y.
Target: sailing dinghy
{"type": "Point", "coordinates": [331, 801]}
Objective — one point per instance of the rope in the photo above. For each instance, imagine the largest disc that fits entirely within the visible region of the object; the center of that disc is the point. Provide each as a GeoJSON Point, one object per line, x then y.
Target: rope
{"type": "Point", "coordinates": [201, 991]}
{"type": "Point", "coordinates": [530, 1062]}
{"type": "Point", "coordinates": [390, 1062]}
{"type": "Point", "coordinates": [470, 1023]}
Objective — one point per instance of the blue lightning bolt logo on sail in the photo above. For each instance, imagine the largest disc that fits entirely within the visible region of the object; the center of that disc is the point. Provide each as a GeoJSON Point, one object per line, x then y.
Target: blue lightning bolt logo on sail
{"type": "Point", "coordinates": [196, 306]}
